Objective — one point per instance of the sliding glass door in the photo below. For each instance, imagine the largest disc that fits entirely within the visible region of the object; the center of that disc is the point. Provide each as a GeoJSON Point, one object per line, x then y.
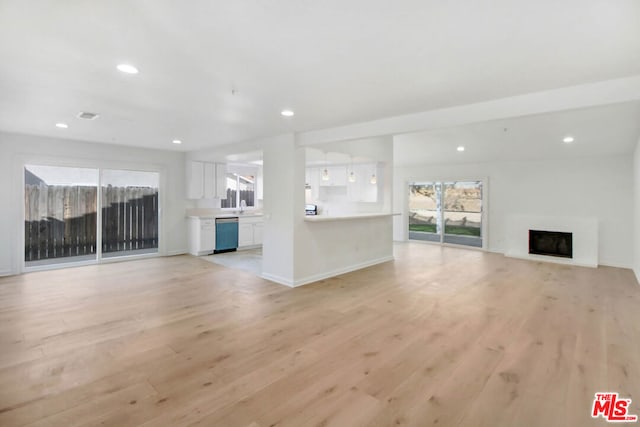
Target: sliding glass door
{"type": "Point", "coordinates": [446, 212]}
{"type": "Point", "coordinates": [60, 214]}
{"type": "Point", "coordinates": [129, 212]}
{"type": "Point", "coordinates": [425, 219]}
{"type": "Point", "coordinates": [84, 214]}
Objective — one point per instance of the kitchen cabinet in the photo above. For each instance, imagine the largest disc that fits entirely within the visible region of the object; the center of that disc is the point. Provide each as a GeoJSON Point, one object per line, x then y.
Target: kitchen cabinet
{"type": "Point", "coordinates": [311, 185]}
{"type": "Point", "coordinates": [206, 180]}
{"type": "Point", "coordinates": [221, 181]}
{"type": "Point", "coordinates": [202, 235]}
{"type": "Point", "coordinates": [258, 227]}
{"type": "Point", "coordinates": [208, 190]}
{"type": "Point", "coordinates": [250, 231]}
{"type": "Point", "coordinates": [337, 176]}
{"type": "Point", "coordinates": [362, 190]}
{"type": "Point", "coordinates": [245, 234]}
{"type": "Point", "coordinates": [195, 180]}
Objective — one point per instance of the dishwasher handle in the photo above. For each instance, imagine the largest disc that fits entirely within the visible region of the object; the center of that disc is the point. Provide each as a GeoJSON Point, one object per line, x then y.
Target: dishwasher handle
{"type": "Point", "coordinates": [226, 220]}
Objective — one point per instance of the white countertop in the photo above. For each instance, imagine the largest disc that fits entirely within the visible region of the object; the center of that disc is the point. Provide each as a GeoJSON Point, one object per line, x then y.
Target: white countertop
{"type": "Point", "coordinates": [323, 218]}
{"type": "Point", "coordinates": [226, 215]}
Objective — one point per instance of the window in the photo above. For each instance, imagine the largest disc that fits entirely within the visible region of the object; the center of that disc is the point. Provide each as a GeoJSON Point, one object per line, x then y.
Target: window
{"type": "Point", "coordinates": [240, 187]}
{"type": "Point", "coordinates": [446, 212]}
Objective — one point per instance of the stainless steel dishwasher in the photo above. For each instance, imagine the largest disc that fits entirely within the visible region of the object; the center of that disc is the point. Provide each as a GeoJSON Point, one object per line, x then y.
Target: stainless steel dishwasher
{"type": "Point", "coordinates": [226, 234]}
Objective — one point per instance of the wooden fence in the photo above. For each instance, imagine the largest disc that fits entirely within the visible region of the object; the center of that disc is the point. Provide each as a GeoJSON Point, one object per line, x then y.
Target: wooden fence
{"type": "Point", "coordinates": [60, 221]}
{"type": "Point", "coordinates": [247, 195]}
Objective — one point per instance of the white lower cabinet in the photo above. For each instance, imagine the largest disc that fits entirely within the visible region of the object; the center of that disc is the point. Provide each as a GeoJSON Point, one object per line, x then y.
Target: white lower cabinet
{"type": "Point", "coordinates": [250, 232]}
{"type": "Point", "coordinates": [245, 234]}
{"type": "Point", "coordinates": [202, 235]}
{"type": "Point", "coordinates": [257, 233]}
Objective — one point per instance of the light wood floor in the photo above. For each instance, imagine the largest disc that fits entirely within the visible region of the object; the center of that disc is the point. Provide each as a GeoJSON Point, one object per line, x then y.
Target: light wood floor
{"type": "Point", "coordinates": [441, 336]}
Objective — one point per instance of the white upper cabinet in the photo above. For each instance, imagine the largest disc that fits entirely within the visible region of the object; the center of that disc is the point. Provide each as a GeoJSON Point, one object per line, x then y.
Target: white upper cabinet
{"type": "Point", "coordinates": [221, 181]}
{"type": "Point", "coordinates": [362, 190]}
{"type": "Point", "coordinates": [195, 180]}
{"type": "Point", "coordinates": [337, 176]}
{"type": "Point", "coordinates": [311, 185]}
{"type": "Point", "coordinates": [206, 180]}
{"type": "Point", "coordinates": [209, 180]}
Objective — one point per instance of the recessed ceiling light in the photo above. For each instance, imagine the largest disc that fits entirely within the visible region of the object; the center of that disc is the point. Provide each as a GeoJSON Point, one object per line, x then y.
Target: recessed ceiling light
{"type": "Point", "coordinates": [127, 68]}
{"type": "Point", "coordinates": [62, 125]}
{"type": "Point", "coordinates": [287, 113]}
{"type": "Point", "coordinates": [460, 148]}
{"type": "Point", "coordinates": [177, 141]}
{"type": "Point", "coordinates": [568, 139]}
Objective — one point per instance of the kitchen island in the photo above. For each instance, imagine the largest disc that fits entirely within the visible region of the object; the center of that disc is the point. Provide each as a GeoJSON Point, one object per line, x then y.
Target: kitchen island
{"type": "Point", "coordinates": [323, 218]}
{"type": "Point", "coordinates": [329, 245]}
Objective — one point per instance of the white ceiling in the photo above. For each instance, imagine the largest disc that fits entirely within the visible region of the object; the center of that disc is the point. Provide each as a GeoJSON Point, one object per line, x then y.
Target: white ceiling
{"type": "Point", "coordinates": [605, 130]}
{"type": "Point", "coordinates": [333, 62]}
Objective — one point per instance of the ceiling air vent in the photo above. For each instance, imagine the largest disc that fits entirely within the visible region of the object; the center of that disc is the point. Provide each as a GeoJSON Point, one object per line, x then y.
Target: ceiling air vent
{"type": "Point", "coordinates": [86, 115]}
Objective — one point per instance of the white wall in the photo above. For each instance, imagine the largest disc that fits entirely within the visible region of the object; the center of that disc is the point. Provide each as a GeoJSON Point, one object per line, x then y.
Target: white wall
{"type": "Point", "coordinates": [589, 187]}
{"type": "Point", "coordinates": [18, 150]}
{"type": "Point", "coordinates": [281, 199]}
{"type": "Point", "coordinates": [325, 249]}
{"type": "Point", "coordinates": [295, 251]}
{"type": "Point", "coordinates": [636, 189]}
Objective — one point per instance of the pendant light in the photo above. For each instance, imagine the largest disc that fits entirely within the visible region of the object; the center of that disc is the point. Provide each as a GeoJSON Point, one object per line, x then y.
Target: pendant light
{"type": "Point", "coordinates": [352, 176]}
{"type": "Point", "coordinates": [325, 172]}
{"type": "Point", "coordinates": [373, 179]}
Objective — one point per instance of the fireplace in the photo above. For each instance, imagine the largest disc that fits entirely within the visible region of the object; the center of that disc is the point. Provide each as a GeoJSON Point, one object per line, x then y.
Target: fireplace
{"type": "Point", "coordinates": [552, 243]}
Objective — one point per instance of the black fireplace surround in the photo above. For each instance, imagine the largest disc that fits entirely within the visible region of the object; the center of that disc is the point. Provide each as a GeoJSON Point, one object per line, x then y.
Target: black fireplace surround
{"type": "Point", "coordinates": [552, 243]}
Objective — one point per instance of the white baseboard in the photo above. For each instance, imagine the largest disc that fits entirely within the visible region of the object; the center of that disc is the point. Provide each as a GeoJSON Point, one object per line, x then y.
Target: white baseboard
{"type": "Point", "coordinates": [316, 277]}
{"type": "Point", "coordinates": [567, 262]}
{"type": "Point", "coordinates": [7, 273]}
{"type": "Point", "coordinates": [613, 264]}
{"type": "Point", "coordinates": [176, 252]}
{"type": "Point", "coordinates": [244, 248]}
{"type": "Point", "coordinates": [339, 271]}
{"type": "Point", "coordinates": [550, 259]}
{"type": "Point", "coordinates": [277, 279]}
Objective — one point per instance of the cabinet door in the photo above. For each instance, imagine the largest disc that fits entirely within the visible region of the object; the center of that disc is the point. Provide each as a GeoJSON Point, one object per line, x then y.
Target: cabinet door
{"type": "Point", "coordinates": [221, 181]}
{"type": "Point", "coordinates": [207, 234]}
{"type": "Point", "coordinates": [311, 185]}
{"type": "Point", "coordinates": [354, 188]}
{"type": "Point", "coordinates": [245, 234]}
{"type": "Point", "coordinates": [257, 233]}
{"type": "Point", "coordinates": [195, 179]}
{"type": "Point", "coordinates": [362, 190]}
{"type": "Point", "coordinates": [209, 180]}
{"type": "Point", "coordinates": [337, 176]}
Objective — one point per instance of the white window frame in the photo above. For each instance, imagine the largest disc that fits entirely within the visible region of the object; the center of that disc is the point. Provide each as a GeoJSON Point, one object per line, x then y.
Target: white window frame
{"type": "Point", "coordinates": [23, 161]}
{"type": "Point", "coordinates": [255, 190]}
{"type": "Point", "coordinates": [484, 216]}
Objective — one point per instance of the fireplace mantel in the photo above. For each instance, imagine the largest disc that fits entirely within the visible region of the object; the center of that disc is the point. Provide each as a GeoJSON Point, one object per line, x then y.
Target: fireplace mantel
{"type": "Point", "coordinates": [584, 230]}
